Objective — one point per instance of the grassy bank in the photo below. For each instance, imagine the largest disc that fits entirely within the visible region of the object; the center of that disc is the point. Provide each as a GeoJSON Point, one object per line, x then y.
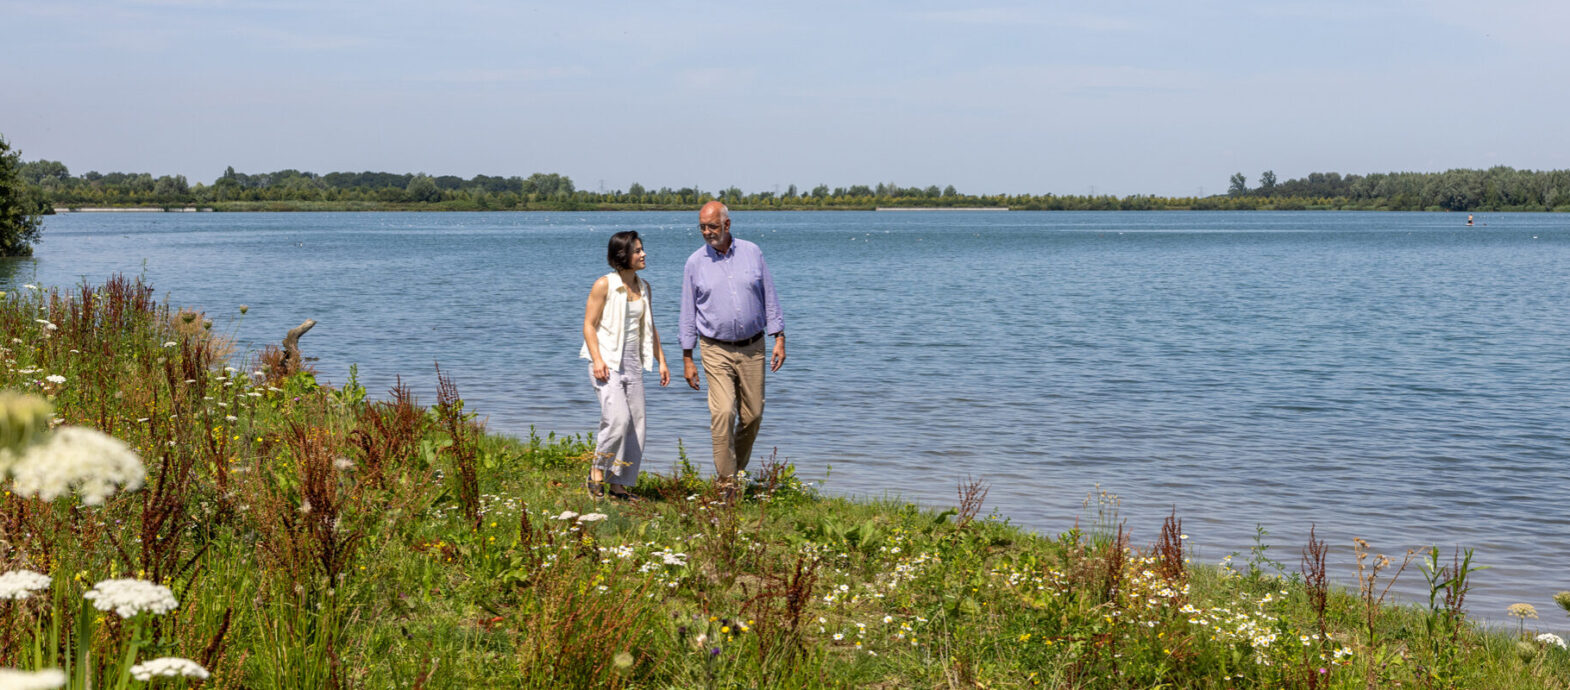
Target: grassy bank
{"type": "Point", "coordinates": [318, 537]}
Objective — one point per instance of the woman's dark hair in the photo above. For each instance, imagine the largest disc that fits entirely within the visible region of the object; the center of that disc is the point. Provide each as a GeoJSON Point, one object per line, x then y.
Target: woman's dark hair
{"type": "Point", "coordinates": [619, 253]}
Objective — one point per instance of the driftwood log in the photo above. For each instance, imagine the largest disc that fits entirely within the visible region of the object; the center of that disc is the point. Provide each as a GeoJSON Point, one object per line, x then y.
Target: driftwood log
{"type": "Point", "coordinates": [291, 346]}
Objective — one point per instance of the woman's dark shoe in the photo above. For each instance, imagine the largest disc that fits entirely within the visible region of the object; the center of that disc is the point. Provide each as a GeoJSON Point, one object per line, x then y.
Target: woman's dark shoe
{"type": "Point", "coordinates": [596, 489]}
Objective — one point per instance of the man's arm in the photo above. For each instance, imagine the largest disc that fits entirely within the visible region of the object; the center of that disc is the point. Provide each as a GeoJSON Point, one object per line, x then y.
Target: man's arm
{"type": "Point", "coordinates": [687, 327]}
{"type": "Point", "coordinates": [687, 324]}
{"type": "Point", "coordinates": [773, 318]}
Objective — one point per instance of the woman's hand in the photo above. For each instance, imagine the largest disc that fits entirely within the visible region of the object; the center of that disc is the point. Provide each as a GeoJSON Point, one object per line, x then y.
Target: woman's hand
{"type": "Point", "coordinates": [601, 371]}
{"type": "Point", "coordinates": [665, 375]}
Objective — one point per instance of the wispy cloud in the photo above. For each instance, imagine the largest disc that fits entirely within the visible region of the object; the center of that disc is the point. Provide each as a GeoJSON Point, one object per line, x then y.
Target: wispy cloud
{"type": "Point", "coordinates": [1030, 16]}
{"type": "Point", "coordinates": [506, 76]}
{"type": "Point", "coordinates": [1528, 26]}
{"type": "Point", "coordinates": [302, 41]}
{"type": "Point", "coordinates": [712, 77]}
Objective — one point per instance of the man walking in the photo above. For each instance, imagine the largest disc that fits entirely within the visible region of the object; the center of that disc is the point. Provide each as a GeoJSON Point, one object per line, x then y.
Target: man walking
{"type": "Point", "coordinates": [728, 304]}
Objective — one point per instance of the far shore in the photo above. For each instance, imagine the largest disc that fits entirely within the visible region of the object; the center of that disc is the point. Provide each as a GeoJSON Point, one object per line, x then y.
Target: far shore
{"type": "Point", "coordinates": [560, 207]}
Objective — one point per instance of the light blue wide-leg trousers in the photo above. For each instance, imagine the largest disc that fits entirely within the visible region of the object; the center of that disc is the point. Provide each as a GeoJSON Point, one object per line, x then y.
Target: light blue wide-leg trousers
{"type": "Point", "coordinates": [618, 446]}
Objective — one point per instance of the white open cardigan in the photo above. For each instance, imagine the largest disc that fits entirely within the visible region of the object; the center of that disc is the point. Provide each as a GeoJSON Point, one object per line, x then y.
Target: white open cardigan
{"type": "Point", "coordinates": [613, 321]}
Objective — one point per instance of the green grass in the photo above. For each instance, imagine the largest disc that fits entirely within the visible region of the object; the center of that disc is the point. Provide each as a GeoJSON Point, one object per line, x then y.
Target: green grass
{"type": "Point", "coordinates": [329, 538]}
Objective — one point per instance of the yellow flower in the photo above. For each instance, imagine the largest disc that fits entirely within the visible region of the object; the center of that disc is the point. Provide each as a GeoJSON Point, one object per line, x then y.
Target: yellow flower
{"type": "Point", "coordinates": [1024, 637]}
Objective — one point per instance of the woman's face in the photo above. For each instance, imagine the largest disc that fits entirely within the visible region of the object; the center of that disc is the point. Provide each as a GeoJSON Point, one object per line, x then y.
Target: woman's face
{"type": "Point", "coordinates": [640, 260]}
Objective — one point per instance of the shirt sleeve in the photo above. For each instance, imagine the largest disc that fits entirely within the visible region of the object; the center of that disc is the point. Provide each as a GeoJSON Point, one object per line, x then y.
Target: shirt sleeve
{"type": "Point", "coordinates": [773, 318]}
{"type": "Point", "coordinates": [687, 327]}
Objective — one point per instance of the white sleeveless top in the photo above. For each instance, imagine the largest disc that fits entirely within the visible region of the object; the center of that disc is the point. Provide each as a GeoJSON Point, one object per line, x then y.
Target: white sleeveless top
{"type": "Point", "coordinates": [633, 325]}
{"type": "Point", "coordinates": [613, 332]}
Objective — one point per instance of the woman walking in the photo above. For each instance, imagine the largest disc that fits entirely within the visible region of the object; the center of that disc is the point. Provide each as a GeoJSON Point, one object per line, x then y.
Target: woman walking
{"type": "Point", "coordinates": [620, 340]}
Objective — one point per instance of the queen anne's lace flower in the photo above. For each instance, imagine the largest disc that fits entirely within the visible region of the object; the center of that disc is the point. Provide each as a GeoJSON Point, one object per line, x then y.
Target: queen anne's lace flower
{"type": "Point", "coordinates": [92, 462]}
{"type": "Point", "coordinates": [565, 515]}
{"type": "Point", "coordinates": [130, 597]}
{"type": "Point", "coordinates": [169, 666]}
{"type": "Point", "coordinates": [48, 679]}
{"type": "Point", "coordinates": [20, 584]}
{"type": "Point", "coordinates": [591, 517]}
{"type": "Point", "coordinates": [1522, 611]}
{"type": "Point", "coordinates": [1550, 638]}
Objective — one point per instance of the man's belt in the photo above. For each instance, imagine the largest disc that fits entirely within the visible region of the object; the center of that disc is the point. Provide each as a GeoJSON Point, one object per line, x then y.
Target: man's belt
{"type": "Point", "coordinates": [733, 343]}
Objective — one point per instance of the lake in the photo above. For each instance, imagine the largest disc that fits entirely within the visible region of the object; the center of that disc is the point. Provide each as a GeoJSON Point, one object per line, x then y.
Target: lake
{"type": "Point", "coordinates": [1391, 376]}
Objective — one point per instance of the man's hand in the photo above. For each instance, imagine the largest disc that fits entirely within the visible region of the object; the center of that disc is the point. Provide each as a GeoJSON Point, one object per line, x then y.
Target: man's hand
{"type": "Point", "coordinates": [779, 353]}
{"type": "Point", "coordinates": [602, 371]}
{"type": "Point", "coordinates": [689, 371]}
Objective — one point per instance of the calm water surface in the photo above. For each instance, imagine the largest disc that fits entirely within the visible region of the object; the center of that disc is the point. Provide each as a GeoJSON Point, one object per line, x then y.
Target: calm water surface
{"type": "Point", "coordinates": [1396, 377]}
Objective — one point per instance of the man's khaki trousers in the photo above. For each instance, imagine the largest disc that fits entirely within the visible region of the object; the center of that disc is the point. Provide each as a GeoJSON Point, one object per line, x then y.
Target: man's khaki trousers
{"type": "Point", "coordinates": [735, 376]}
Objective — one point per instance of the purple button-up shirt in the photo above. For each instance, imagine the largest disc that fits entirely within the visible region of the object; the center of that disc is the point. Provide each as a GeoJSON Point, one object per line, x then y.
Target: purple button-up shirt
{"type": "Point", "coordinates": [728, 296]}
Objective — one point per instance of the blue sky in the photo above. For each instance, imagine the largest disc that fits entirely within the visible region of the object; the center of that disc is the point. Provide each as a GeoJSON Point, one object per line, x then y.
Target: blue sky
{"type": "Point", "coordinates": [1119, 97]}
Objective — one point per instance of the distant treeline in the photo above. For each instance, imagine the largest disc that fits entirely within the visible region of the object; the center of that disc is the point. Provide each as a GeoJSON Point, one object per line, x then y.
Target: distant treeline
{"type": "Point", "coordinates": [1498, 188]}
{"type": "Point", "coordinates": [1495, 189]}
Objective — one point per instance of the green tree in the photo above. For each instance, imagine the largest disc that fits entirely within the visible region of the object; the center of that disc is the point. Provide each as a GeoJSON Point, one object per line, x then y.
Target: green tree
{"type": "Point", "coordinates": [1239, 185]}
{"type": "Point", "coordinates": [171, 188]}
{"type": "Point", "coordinates": [423, 189]}
{"type": "Point", "coordinates": [45, 173]}
{"type": "Point", "coordinates": [21, 206]}
{"type": "Point", "coordinates": [1267, 182]}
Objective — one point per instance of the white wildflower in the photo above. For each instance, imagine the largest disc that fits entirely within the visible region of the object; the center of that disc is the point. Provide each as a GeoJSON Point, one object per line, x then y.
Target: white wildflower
{"type": "Point", "coordinates": [171, 344]}
{"type": "Point", "coordinates": [169, 666]}
{"type": "Point", "coordinates": [55, 378]}
{"type": "Point", "coordinates": [30, 286]}
{"type": "Point", "coordinates": [90, 461]}
{"type": "Point", "coordinates": [565, 515]}
{"type": "Point", "coordinates": [48, 679]}
{"type": "Point", "coordinates": [340, 463]}
{"type": "Point", "coordinates": [592, 517]}
{"type": "Point", "coordinates": [130, 597]}
{"type": "Point", "coordinates": [1550, 638]}
{"type": "Point", "coordinates": [674, 558]}
{"type": "Point", "coordinates": [232, 418]}
{"type": "Point", "coordinates": [20, 584]}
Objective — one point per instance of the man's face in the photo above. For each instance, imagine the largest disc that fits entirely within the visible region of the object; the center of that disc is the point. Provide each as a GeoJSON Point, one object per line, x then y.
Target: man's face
{"type": "Point", "coordinates": [715, 229]}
